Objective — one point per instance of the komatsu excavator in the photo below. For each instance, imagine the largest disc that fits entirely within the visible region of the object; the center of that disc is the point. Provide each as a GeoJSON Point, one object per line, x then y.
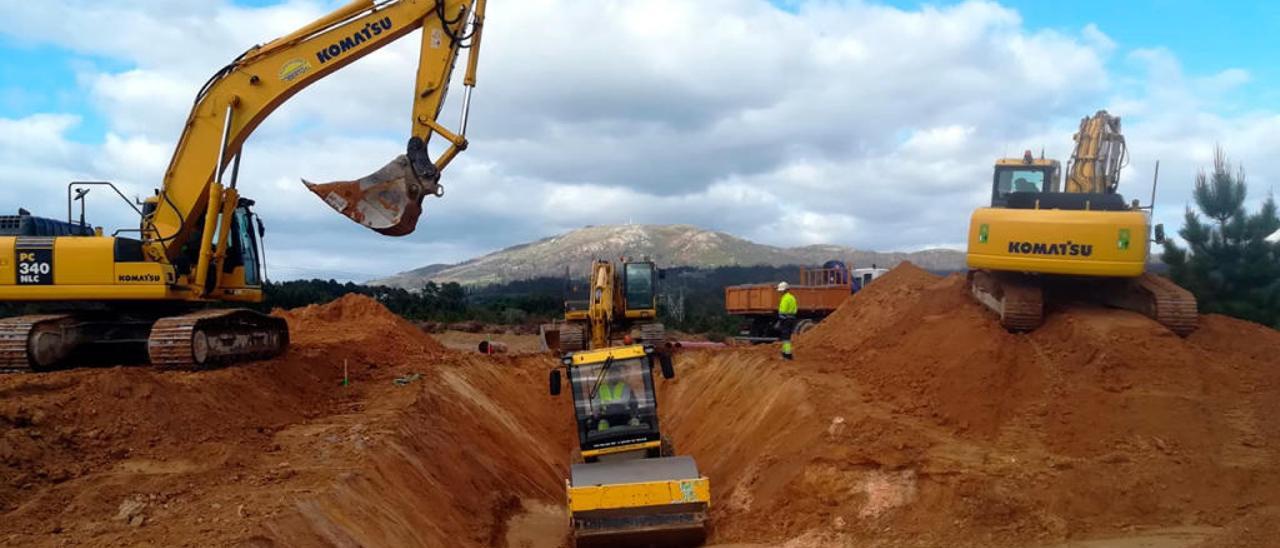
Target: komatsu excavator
{"type": "Point", "coordinates": [626, 486]}
{"type": "Point", "coordinates": [622, 302]}
{"type": "Point", "coordinates": [1078, 242]}
{"type": "Point", "coordinates": [198, 240]}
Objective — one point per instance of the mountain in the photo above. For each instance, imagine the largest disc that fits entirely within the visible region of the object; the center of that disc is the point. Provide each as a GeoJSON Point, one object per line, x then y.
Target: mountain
{"type": "Point", "coordinates": [668, 245]}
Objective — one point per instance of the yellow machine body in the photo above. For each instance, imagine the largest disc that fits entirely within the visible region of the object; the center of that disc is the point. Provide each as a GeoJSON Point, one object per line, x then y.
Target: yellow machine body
{"type": "Point", "coordinates": [628, 487]}
{"type": "Point", "coordinates": [1062, 242]}
{"type": "Point", "coordinates": [621, 300]}
{"type": "Point", "coordinates": [1039, 239]}
{"type": "Point", "coordinates": [633, 495]}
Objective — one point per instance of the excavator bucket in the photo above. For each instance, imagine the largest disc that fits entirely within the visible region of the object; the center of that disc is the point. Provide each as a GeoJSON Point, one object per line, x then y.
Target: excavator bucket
{"type": "Point", "coordinates": [389, 201]}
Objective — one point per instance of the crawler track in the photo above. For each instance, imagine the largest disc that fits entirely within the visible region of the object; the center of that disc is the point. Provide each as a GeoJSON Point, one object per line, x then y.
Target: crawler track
{"type": "Point", "coordinates": [211, 337]}
{"type": "Point", "coordinates": [35, 342]}
{"type": "Point", "coordinates": [1163, 301]}
{"type": "Point", "coordinates": [1018, 300]}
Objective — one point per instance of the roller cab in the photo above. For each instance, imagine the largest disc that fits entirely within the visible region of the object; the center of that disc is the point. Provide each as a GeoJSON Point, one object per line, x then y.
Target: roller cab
{"type": "Point", "coordinates": [626, 486]}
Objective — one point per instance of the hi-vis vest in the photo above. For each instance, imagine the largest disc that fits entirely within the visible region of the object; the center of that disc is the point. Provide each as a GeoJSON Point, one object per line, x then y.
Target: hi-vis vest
{"type": "Point", "coordinates": [615, 395]}
{"type": "Point", "coordinates": [787, 304]}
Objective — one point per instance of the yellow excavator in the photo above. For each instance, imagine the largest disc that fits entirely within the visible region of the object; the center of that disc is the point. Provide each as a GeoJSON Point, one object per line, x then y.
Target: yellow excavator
{"type": "Point", "coordinates": [142, 291]}
{"type": "Point", "coordinates": [626, 486]}
{"type": "Point", "coordinates": [621, 303]}
{"type": "Point", "coordinates": [1079, 242]}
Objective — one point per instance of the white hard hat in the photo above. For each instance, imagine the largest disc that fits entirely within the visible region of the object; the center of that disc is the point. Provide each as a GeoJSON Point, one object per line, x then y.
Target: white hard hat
{"type": "Point", "coordinates": [783, 286]}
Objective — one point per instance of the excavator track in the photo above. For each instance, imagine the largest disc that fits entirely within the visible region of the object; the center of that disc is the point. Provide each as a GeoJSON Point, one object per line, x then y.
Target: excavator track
{"type": "Point", "coordinates": [653, 333]}
{"type": "Point", "coordinates": [1159, 299]}
{"type": "Point", "coordinates": [217, 336]}
{"type": "Point", "coordinates": [1017, 299]}
{"type": "Point", "coordinates": [573, 337]}
{"type": "Point", "coordinates": [38, 342]}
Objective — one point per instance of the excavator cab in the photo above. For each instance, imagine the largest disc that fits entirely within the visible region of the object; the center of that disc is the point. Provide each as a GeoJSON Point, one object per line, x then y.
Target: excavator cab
{"type": "Point", "coordinates": [639, 285]}
{"type": "Point", "coordinates": [244, 249]}
{"type": "Point", "coordinates": [1025, 175]}
{"type": "Point", "coordinates": [627, 488]}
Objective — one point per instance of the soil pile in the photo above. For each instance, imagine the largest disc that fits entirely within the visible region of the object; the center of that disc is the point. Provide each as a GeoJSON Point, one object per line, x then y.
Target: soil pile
{"type": "Point", "coordinates": [419, 446]}
{"type": "Point", "coordinates": [355, 317]}
{"type": "Point", "coordinates": [910, 416]}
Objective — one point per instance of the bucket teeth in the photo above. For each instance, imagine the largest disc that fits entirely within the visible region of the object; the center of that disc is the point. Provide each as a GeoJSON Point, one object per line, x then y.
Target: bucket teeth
{"type": "Point", "coordinates": [389, 201]}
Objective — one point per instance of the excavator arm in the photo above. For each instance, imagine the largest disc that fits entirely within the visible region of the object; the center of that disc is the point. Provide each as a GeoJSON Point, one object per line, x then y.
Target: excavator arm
{"type": "Point", "coordinates": [192, 209]}
{"type": "Point", "coordinates": [1099, 154]}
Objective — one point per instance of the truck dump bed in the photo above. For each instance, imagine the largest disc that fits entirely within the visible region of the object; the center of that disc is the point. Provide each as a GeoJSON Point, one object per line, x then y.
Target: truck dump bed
{"type": "Point", "coordinates": [763, 298]}
{"type": "Point", "coordinates": [820, 292]}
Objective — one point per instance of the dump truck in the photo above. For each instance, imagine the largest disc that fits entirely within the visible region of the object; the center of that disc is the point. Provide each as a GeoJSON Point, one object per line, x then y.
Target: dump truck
{"type": "Point", "coordinates": [818, 294]}
{"type": "Point", "coordinates": [626, 486]}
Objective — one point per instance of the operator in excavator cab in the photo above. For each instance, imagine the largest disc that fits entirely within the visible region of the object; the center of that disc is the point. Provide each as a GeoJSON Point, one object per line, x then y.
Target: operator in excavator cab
{"type": "Point", "coordinates": [615, 402]}
{"type": "Point", "coordinates": [787, 309]}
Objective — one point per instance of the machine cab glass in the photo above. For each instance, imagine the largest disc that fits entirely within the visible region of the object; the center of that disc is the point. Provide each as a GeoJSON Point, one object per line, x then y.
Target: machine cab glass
{"type": "Point", "coordinates": [243, 246]}
{"type": "Point", "coordinates": [639, 284]}
{"type": "Point", "coordinates": [1022, 178]}
{"type": "Point", "coordinates": [614, 402]}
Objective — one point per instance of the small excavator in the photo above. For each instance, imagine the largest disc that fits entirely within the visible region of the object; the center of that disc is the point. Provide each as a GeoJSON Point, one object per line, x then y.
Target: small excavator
{"type": "Point", "coordinates": [621, 303]}
{"type": "Point", "coordinates": [1078, 242]}
{"type": "Point", "coordinates": [144, 290]}
{"type": "Point", "coordinates": [626, 486]}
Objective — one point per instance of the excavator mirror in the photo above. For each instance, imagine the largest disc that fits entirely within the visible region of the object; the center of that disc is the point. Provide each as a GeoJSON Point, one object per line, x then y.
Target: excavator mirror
{"type": "Point", "coordinates": [262, 231]}
{"type": "Point", "coordinates": [668, 369]}
{"type": "Point", "coordinates": [1160, 234]}
{"type": "Point", "coordinates": [662, 273]}
{"type": "Point", "coordinates": [554, 380]}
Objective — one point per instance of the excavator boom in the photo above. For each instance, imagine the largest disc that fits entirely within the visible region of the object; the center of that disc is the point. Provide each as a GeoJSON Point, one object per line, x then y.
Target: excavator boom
{"type": "Point", "coordinates": [241, 95]}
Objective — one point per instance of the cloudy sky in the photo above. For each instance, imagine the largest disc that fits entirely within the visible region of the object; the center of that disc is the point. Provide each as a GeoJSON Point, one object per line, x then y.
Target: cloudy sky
{"type": "Point", "coordinates": [868, 124]}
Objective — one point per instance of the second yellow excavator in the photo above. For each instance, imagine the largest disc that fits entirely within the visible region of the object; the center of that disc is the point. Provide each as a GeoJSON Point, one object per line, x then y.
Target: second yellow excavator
{"type": "Point", "coordinates": [1082, 241]}
{"type": "Point", "coordinates": [621, 303]}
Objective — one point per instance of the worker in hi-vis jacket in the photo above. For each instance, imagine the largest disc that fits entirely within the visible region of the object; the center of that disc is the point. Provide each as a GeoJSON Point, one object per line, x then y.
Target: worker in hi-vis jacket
{"type": "Point", "coordinates": [786, 317]}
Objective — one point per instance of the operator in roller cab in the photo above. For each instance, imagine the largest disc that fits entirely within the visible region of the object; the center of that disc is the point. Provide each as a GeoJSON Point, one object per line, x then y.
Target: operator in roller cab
{"type": "Point", "coordinates": [615, 402]}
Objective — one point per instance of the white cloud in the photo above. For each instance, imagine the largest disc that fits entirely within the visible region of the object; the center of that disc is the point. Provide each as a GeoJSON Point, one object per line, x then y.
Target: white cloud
{"type": "Point", "coordinates": [840, 122]}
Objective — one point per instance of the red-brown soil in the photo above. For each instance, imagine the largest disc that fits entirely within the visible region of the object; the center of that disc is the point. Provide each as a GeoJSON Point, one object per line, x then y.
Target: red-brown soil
{"type": "Point", "coordinates": [909, 418]}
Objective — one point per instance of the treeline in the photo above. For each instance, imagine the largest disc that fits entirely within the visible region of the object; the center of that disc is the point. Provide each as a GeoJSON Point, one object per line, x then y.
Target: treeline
{"type": "Point", "coordinates": [690, 299]}
{"type": "Point", "coordinates": [1231, 262]}
{"type": "Point", "coordinates": [515, 303]}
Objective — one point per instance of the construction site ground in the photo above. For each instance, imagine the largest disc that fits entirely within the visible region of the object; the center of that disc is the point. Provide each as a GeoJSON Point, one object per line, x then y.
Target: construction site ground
{"type": "Point", "coordinates": [909, 418]}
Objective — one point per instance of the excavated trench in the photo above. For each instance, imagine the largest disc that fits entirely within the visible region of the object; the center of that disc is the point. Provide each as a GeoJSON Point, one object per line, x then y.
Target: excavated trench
{"type": "Point", "coordinates": [909, 418]}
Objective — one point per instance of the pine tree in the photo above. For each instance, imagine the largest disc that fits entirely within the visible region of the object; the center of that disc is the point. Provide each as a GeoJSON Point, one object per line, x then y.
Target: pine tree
{"type": "Point", "coordinates": [1229, 264]}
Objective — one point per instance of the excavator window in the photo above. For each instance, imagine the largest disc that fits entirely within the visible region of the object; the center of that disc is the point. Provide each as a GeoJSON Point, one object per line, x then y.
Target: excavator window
{"type": "Point", "coordinates": [243, 248]}
{"type": "Point", "coordinates": [639, 286]}
{"type": "Point", "coordinates": [1008, 181]}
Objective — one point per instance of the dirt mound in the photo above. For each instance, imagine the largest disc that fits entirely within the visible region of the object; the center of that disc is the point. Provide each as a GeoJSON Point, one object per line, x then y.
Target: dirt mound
{"type": "Point", "coordinates": [910, 416]}
{"type": "Point", "coordinates": [422, 446]}
{"type": "Point", "coordinates": [352, 317]}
